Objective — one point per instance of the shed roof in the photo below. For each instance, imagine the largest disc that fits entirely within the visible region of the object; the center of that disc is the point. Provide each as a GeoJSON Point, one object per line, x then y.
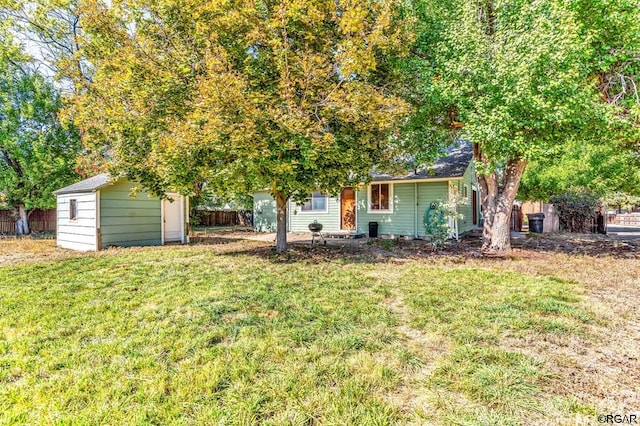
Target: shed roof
{"type": "Point", "coordinates": [91, 184]}
{"type": "Point", "coordinates": [453, 165]}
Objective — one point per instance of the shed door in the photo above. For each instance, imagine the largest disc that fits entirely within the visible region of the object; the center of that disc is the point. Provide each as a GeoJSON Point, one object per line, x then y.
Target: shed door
{"type": "Point", "coordinates": [172, 219]}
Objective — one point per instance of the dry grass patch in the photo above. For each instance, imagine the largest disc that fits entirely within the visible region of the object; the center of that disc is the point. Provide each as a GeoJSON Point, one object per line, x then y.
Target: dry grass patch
{"type": "Point", "coordinates": [598, 369]}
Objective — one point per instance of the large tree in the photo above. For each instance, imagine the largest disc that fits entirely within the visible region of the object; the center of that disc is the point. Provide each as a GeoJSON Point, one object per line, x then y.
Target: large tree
{"type": "Point", "coordinates": [604, 169]}
{"type": "Point", "coordinates": [37, 153]}
{"type": "Point", "coordinates": [522, 77]}
{"type": "Point", "coordinates": [284, 95]}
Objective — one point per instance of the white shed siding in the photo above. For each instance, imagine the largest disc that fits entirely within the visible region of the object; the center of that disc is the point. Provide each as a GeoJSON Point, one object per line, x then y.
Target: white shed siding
{"type": "Point", "coordinates": [79, 234]}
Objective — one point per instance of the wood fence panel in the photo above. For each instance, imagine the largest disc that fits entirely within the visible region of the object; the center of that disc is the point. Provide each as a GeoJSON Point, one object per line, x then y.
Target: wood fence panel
{"type": "Point", "coordinates": [226, 218]}
{"type": "Point", "coordinates": [39, 221]}
{"type": "Point", "coordinates": [516, 219]}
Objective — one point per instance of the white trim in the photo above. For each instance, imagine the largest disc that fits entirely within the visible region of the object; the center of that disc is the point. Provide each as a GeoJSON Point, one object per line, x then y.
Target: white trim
{"type": "Point", "coordinates": [98, 232]}
{"type": "Point", "coordinates": [355, 191]}
{"type": "Point", "coordinates": [387, 211]}
{"type": "Point", "coordinates": [161, 221]}
{"type": "Point", "coordinates": [453, 223]}
{"type": "Point", "coordinates": [355, 208]}
{"type": "Point", "coordinates": [75, 202]}
{"type": "Point", "coordinates": [57, 219]}
{"type": "Point", "coordinates": [374, 182]}
{"type": "Point", "coordinates": [188, 219]}
{"type": "Point", "coordinates": [176, 198]}
{"type": "Point", "coordinates": [182, 236]}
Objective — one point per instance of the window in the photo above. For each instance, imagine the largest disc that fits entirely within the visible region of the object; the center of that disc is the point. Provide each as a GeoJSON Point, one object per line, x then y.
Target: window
{"type": "Point", "coordinates": [316, 202]}
{"type": "Point", "coordinates": [465, 192]}
{"type": "Point", "coordinates": [73, 209]}
{"type": "Point", "coordinates": [380, 198]}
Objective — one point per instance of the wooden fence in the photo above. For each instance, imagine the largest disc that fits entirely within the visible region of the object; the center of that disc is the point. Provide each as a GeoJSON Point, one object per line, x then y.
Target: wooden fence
{"type": "Point", "coordinates": [516, 219]}
{"type": "Point", "coordinates": [225, 218]}
{"type": "Point", "coordinates": [39, 221]}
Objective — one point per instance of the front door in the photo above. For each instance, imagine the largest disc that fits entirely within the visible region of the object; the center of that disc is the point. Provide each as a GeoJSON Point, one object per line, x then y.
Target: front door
{"type": "Point", "coordinates": [474, 204]}
{"type": "Point", "coordinates": [172, 219]}
{"type": "Point", "coordinates": [348, 209]}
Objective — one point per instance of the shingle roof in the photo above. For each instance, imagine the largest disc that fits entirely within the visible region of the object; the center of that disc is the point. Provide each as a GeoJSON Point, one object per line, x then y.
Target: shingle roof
{"type": "Point", "coordinates": [458, 158]}
{"type": "Point", "coordinates": [88, 185]}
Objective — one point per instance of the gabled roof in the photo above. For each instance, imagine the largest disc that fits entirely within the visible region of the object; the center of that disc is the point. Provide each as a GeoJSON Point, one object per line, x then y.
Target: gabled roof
{"type": "Point", "coordinates": [91, 184]}
{"type": "Point", "coordinates": [453, 165]}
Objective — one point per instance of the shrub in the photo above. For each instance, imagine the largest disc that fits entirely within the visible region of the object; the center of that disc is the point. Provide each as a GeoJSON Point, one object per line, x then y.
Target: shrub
{"type": "Point", "coordinates": [576, 209]}
{"type": "Point", "coordinates": [437, 219]}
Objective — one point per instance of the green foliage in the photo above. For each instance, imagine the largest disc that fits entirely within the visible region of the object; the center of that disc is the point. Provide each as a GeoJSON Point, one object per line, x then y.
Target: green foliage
{"type": "Point", "coordinates": [515, 75]}
{"type": "Point", "coordinates": [524, 81]}
{"type": "Point", "coordinates": [621, 200]}
{"type": "Point", "coordinates": [576, 209]}
{"type": "Point", "coordinates": [602, 168]}
{"type": "Point", "coordinates": [54, 33]}
{"type": "Point", "coordinates": [37, 153]}
{"type": "Point", "coordinates": [437, 220]}
{"type": "Point", "coordinates": [242, 95]}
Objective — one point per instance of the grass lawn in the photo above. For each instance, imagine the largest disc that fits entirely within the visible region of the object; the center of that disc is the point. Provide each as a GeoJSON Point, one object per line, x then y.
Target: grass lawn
{"type": "Point", "coordinates": [231, 334]}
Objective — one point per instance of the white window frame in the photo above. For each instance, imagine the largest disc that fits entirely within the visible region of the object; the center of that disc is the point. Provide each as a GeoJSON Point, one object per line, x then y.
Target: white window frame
{"type": "Point", "coordinates": [73, 218]}
{"type": "Point", "coordinates": [378, 211]}
{"type": "Point", "coordinates": [312, 211]}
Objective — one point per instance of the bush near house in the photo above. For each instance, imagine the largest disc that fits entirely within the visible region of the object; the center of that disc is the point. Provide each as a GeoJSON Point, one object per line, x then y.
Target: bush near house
{"type": "Point", "coordinates": [576, 210]}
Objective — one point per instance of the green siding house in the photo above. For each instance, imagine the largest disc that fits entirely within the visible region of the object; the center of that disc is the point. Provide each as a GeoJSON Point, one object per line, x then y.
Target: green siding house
{"type": "Point", "coordinates": [396, 202]}
{"type": "Point", "coordinates": [99, 212]}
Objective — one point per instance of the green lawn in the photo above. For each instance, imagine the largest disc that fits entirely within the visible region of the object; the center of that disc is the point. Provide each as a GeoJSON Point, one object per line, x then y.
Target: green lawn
{"type": "Point", "coordinates": [190, 335]}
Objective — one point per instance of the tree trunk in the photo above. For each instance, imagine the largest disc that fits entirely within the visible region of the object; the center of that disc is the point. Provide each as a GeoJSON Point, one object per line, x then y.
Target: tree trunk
{"type": "Point", "coordinates": [281, 214]}
{"type": "Point", "coordinates": [22, 224]}
{"type": "Point", "coordinates": [497, 203]}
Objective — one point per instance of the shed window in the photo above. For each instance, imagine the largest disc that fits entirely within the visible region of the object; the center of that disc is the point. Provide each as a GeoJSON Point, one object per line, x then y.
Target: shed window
{"type": "Point", "coordinates": [380, 196]}
{"type": "Point", "coordinates": [316, 202]}
{"type": "Point", "coordinates": [73, 209]}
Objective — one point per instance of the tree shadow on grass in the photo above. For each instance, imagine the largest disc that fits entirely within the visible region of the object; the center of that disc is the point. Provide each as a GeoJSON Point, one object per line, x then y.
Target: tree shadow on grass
{"type": "Point", "coordinates": [528, 246]}
{"type": "Point", "coordinates": [301, 251]}
{"type": "Point", "coordinates": [387, 251]}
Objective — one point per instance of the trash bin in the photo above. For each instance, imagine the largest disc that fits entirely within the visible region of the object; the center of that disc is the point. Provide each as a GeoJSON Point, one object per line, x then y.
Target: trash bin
{"type": "Point", "coordinates": [373, 229]}
{"type": "Point", "coordinates": [536, 221]}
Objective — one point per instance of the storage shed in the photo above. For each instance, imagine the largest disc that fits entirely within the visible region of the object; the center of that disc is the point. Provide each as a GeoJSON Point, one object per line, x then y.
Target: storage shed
{"type": "Point", "coordinates": [99, 212]}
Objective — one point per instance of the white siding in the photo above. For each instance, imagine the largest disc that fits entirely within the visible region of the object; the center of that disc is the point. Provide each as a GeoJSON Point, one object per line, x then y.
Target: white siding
{"type": "Point", "coordinates": [79, 234]}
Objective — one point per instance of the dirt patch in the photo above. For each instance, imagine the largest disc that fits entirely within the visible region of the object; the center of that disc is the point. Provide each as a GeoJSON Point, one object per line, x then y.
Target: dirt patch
{"type": "Point", "coordinates": [31, 250]}
{"type": "Point", "coordinates": [529, 247]}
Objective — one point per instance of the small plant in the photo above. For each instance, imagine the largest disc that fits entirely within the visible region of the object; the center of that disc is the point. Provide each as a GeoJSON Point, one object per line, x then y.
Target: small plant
{"type": "Point", "coordinates": [387, 244]}
{"type": "Point", "coordinates": [437, 221]}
